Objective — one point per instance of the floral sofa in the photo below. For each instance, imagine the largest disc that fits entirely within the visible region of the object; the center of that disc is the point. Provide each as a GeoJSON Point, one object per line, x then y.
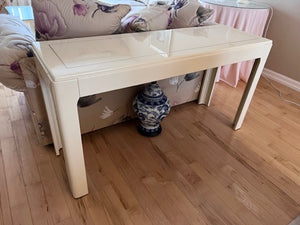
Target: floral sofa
{"type": "Point", "coordinates": [56, 19]}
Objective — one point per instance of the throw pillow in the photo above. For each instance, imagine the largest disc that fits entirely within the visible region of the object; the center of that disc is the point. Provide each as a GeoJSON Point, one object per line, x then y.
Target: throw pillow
{"type": "Point", "coordinates": [57, 19]}
{"type": "Point", "coordinates": [155, 17]}
{"type": "Point", "coordinates": [189, 13]}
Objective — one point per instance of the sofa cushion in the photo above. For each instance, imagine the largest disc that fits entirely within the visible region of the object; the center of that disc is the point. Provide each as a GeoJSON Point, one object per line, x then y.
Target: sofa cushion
{"type": "Point", "coordinates": [57, 19]}
{"type": "Point", "coordinates": [154, 17]}
{"type": "Point", "coordinates": [15, 40]}
{"type": "Point", "coordinates": [189, 13]}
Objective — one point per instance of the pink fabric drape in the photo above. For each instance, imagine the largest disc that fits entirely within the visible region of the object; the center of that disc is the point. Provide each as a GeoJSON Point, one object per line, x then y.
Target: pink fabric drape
{"type": "Point", "coordinates": [250, 20]}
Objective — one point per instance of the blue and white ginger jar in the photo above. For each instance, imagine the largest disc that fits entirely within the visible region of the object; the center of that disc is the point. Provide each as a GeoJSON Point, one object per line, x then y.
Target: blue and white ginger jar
{"type": "Point", "coordinates": [151, 106]}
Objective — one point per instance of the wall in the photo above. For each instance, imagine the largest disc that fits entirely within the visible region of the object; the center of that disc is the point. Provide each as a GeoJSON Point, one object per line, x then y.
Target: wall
{"type": "Point", "coordinates": [284, 30]}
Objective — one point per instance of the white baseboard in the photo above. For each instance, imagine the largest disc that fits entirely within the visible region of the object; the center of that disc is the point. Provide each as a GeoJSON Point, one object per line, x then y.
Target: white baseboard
{"type": "Point", "coordinates": [272, 75]}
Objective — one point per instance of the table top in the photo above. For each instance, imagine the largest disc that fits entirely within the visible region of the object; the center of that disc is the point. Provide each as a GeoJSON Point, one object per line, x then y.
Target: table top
{"type": "Point", "coordinates": [94, 56]}
{"type": "Point", "coordinates": [235, 4]}
{"type": "Point", "coordinates": [22, 12]}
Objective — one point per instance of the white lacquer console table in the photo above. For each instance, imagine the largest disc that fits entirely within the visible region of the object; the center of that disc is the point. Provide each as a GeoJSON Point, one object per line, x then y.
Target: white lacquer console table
{"type": "Point", "coordinates": [73, 68]}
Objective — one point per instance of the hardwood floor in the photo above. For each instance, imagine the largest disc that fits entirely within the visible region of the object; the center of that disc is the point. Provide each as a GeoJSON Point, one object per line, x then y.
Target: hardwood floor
{"type": "Point", "coordinates": [198, 171]}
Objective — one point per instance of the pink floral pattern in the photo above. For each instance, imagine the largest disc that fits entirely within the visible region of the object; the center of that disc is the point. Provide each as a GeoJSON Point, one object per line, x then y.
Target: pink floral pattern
{"type": "Point", "coordinates": [15, 66]}
{"type": "Point", "coordinates": [59, 19]}
{"type": "Point", "coordinates": [48, 19]}
{"type": "Point", "coordinates": [80, 9]}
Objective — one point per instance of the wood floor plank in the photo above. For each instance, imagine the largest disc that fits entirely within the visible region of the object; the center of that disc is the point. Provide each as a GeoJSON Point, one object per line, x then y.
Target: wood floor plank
{"type": "Point", "coordinates": [253, 171]}
{"type": "Point", "coordinates": [185, 206]}
{"type": "Point", "coordinates": [39, 205]}
{"type": "Point", "coordinates": [198, 171]}
{"type": "Point", "coordinates": [246, 192]}
{"type": "Point", "coordinates": [21, 214]}
{"type": "Point", "coordinates": [76, 207]}
{"type": "Point", "coordinates": [176, 157]}
{"type": "Point", "coordinates": [280, 179]}
{"type": "Point", "coordinates": [130, 174]}
{"type": "Point", "coordinates": [16, 187]}
{"type": "Point", "coordinates": [99, 213]}
{"type": "Point", "coordinates": [183, 166]}
{"type": "Point", "coordinates": [149, 167]}
{"type": "Point", "coordinates": [115, 183]}
{"type": "Point", "coordinates": [215, 156]}
{"type": "Point", "coordinates": [27, 161]}
{"type": "Point", "coordinates": [5, 211]}
{"type": "Point", "coordinates": [45, 197]}
{"type": "Point", "coordinates": [241, 207]}
{"type": "Point", "coordinates": [66, 222]}
{"type": "Point", "coordinates": [6, 127]}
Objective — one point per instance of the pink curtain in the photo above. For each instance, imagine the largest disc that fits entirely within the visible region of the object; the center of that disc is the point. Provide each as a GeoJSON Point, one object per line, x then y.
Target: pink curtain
{"type": "Point", "coordinates": [250, 20]}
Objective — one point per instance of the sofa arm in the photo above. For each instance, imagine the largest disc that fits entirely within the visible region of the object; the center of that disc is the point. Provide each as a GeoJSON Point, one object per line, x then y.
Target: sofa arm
{"type": "Point", "coordinates": [15, 46]}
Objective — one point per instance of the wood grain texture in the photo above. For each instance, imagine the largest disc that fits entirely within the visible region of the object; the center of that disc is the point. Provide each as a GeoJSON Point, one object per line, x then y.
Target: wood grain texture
{"type": "Point", "coordinates": [197, 172]}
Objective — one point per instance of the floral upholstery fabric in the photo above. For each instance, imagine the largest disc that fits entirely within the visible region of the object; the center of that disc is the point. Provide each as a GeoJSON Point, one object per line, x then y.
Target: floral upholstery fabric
{"type": "Point", "coordinates": [155, 17]}
{"type": "Point", "coordinates": [57, 19]}
{"type": "Point", "coordinates": [15, 48]}
{"type": "Point", "coordinates": [189, 13]}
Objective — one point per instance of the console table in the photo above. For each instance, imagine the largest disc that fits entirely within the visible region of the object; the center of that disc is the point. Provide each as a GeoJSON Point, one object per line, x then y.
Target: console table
{"type": "Point", "coordinates": [73, 68]}
{"type": "Point", "coordinates": [252, 18]}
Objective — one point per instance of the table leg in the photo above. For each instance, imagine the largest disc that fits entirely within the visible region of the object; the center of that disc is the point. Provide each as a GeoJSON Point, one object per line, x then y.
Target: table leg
{"type": "Point", "coordinates": [51, 117]}
{"type": "Point", "coordinates": [248, 93]}
{"type": "Point", "coordinates": [50, 108]}
{"type": "Point", "coordinates": [66, 96]}
{"type": "Point", "coordinates": [207, 86]}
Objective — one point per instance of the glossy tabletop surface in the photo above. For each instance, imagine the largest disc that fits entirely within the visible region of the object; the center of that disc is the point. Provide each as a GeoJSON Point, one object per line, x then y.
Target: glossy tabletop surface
{"type": "Point", "coordinates": [234, 3]}
{"type": "Point", "coordinates": [70, 58]}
